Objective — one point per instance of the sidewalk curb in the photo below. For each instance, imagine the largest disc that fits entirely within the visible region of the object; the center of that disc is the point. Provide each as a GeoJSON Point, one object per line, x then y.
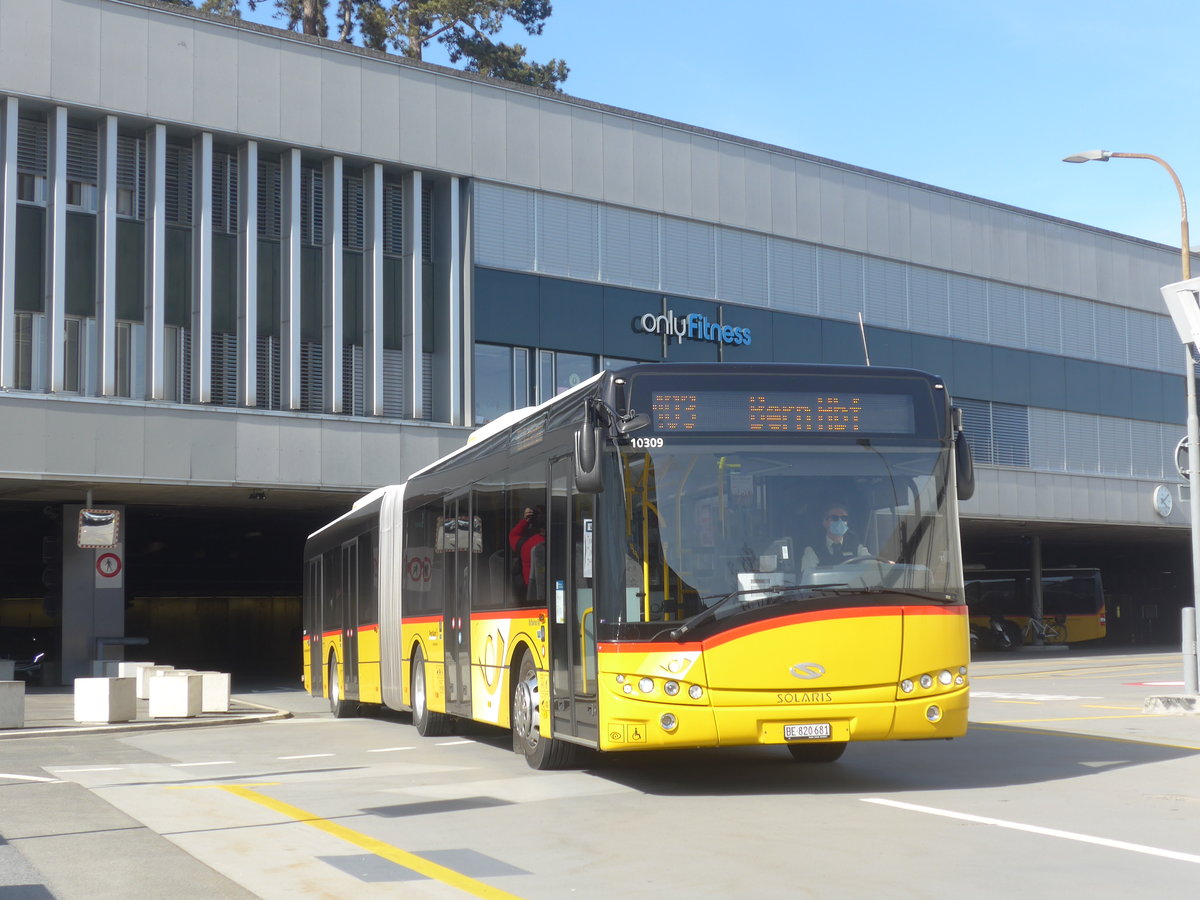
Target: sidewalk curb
{"type": "Point", "coordinates": [267, 714]}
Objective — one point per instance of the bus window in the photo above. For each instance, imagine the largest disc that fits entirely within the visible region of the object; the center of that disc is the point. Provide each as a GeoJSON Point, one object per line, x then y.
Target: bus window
{"type": "Point", "coordinates": [422, 567]}
{"type": "Point", "coordinates": [527, 528]}
{"type": "Point", "coordinates": [488, 560]}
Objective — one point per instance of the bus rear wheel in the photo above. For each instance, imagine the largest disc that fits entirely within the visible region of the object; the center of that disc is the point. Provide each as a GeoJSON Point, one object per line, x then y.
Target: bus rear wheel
{"type": "Point", "coordinates": [540, 752]}
{"type": "Point", "coordinates": [817, 753]}
{"type": "Point", "coordinates": [338, 705]}
{"type": "Point", "coordinates": [428, 723]}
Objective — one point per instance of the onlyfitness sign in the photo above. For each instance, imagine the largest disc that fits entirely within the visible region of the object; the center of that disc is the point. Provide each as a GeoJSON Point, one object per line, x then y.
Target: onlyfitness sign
{"type": "Point", "coordinates": [693, 327]}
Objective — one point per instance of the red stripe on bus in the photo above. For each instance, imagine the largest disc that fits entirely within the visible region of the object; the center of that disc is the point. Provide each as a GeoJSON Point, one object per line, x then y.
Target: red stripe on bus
{"type": "Point", "coordinates": [420, 620]}
{"type": "Point", "coordinates": [795, 619]}
{"type": "Point", "coordinates": [492, 614]}
{"type": "Point", "coordinates": [362, 628]}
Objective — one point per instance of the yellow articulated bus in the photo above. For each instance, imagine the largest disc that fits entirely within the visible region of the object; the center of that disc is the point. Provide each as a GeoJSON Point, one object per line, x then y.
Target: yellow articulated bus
{"type": "Point", "coordinates": [666, 556]}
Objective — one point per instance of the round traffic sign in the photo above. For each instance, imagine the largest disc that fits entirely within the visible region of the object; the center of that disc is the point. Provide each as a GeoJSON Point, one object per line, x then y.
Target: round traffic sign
{"type": "Point", "coordinates": [108, 565]}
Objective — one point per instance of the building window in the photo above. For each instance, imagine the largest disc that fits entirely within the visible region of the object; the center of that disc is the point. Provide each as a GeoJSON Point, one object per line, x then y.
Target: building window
{"type": "Point", "coordinates": [72, 354]}
{"type": "Point", "coordinates": [24, 347]}
{"type": "Point", "coordinates": [493, 382]}
{"type": "Point", "coordinates": [31, 188]}
{"type": "Point", "coordinates": [131, 177]}
{"type": "Point", "coordinates": [559, 372]}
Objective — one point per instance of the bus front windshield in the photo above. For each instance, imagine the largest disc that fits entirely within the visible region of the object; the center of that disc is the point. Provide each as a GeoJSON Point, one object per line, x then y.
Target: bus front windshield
{"type": "Point", "coordinates": [711, 522]}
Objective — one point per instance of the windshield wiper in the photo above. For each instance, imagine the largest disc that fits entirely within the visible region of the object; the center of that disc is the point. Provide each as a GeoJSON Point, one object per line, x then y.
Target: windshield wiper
{"type": "Point", "coordinates": [879, 589]}
{"type": "Point", "coordinates": [706, 615]}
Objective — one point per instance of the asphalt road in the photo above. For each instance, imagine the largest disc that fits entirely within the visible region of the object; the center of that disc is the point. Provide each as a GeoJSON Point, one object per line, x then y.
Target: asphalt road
{"type": "Point", "coordinates": [1062, 785]}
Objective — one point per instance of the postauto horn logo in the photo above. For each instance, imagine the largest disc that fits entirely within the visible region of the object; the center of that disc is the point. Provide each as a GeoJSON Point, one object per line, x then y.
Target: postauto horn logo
{"type": "Point", "coordinates": [694, 327]}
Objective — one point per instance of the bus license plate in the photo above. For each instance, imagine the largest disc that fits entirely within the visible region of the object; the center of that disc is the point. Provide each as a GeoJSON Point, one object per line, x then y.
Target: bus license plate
{"type": "Point", "coordinates": [807, 732]}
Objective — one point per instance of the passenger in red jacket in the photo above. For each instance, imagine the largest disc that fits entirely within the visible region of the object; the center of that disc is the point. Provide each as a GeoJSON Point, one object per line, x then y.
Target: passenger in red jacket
{"type": "Point", "coordinates": [526, 535]}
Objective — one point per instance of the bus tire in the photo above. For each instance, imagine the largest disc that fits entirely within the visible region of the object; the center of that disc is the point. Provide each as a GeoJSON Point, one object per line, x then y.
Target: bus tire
{"type": "Point", "coordinates": [338, 705]}
{"type": "Point", "coordinates": [428, 723]}
{"type": "Point", "coordinates": [539, 751]}
{"type": "Point", "coordinates": [817, 753]}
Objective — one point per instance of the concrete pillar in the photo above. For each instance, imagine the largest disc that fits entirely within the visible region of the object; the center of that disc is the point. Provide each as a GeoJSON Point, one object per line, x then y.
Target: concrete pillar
{"type": "Point", "coordinates": [155, 276]}
{"type": "Point", "coordinates": [333, 296]}
{"type": "Point", "coordinates": [373, 290]}
{"type": "Point", "coordinates": [106, 257]}
{"type": "Point", "coordinates": [289, 279]}
{"type": "Point", "coordinates": [93, 596]}
{"type": "Point", "coordinates": [414, 293]}
{"type": "Point", "coordinates": [202, 275]}
{"type": "Point", "coordinates": [247, 285]}
{"type": "Point", "coordinates": [8, 242]}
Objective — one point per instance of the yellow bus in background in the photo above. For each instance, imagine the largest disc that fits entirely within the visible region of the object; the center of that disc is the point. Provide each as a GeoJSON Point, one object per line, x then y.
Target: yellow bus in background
{"type": "Point", "coordinates": [1071, 598]}
{"type": "Point", "coordinates": [630, 566]}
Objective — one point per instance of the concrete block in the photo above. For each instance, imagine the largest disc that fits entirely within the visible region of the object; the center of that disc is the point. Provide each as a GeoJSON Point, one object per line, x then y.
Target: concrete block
{"type": "Point", "coordinates": [105, 668]}
{"type": "Point", "coordinates": [144, 674]}
{"type": "Point", "coordinates": [128, 669]}
{"type": "Point", "coordinates": [12, 704]}
{"type": "Point", "coordinates": [105, 700]}
{"type": "Point", "coordinates": [176, 695]}
{"type": "Point", "coordinates": [8, 669]}
{"type": "Point", "coordinates": [215, 692]}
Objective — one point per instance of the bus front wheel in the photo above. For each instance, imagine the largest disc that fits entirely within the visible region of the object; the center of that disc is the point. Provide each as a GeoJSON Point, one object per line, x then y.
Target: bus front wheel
{"type": "Point", "coordinates": [540, 752]}
{"type": "Point", "coordinates": [428, 723]}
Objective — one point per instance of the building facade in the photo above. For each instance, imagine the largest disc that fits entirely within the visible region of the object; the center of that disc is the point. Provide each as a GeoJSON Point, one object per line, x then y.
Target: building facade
{"type": "Point", "coordinates": [247, 276]}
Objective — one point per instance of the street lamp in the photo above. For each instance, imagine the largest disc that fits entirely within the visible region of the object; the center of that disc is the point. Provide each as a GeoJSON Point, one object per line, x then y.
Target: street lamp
{"type": "Point", "coordinates": [1193, 420]}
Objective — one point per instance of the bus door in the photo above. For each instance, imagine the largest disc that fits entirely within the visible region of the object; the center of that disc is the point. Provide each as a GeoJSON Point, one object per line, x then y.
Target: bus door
{"type": "Point", "coordinates": [573, 671]}
{"type": "Point", "coordinates": [314, 605]}
{"type": "Point", "coordinates": [350, 618]}
{"type": "Point", "coordinates": [457, 538]}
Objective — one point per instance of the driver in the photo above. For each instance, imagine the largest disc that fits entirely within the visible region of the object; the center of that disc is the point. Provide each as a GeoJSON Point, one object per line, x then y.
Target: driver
{"type": "Point", "coordinates": [839, 543]}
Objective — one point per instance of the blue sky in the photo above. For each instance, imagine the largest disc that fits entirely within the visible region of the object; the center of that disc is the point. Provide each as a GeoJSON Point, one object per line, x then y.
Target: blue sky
{"type": "Point", "coordinates": [982, 98]}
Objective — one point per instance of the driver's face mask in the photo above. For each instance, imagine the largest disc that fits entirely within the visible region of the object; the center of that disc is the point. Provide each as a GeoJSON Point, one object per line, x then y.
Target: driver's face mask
{"type": "Point", "coordinates": [838, 526]}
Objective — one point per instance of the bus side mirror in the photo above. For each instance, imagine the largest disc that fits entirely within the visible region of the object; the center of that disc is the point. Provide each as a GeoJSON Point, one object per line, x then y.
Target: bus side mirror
{"type": "Point", "coordinates": [964, 466]}
{"type": "Point", "coordinates": [588, 477]}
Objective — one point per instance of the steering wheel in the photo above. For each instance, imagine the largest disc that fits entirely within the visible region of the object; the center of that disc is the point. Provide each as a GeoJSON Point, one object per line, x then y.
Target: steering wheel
{"type": "Point", "coordinates": [867, 558]}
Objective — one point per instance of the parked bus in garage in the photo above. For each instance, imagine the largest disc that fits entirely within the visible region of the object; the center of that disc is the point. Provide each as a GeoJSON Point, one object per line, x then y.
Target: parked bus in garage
{"type": "Point", "coordinates": [1071, 598]}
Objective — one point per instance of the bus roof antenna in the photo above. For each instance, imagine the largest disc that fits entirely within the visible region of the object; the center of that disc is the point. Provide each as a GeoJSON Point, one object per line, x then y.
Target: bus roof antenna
{"type": "Point", "coordinates": [862, 330]}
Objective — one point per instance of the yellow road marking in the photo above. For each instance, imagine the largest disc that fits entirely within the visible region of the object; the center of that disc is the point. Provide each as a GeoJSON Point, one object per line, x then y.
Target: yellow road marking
{"type": "Point", "coordinates": [370, 844]}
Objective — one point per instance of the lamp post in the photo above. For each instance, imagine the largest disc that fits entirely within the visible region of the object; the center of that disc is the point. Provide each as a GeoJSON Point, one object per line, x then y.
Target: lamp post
{"type": "Point", "coordinates": [1193, 420]}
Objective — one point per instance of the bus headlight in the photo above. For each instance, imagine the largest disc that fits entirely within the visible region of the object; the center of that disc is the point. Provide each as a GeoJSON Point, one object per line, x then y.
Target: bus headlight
{"type": "Point", "coordinates": [927, 681]}
{"type": "Point", "coordinates": [646, 685]}
{"type": "Point", "coordinates": [695, 692]}
{"type": "Point", "coordinates": [945, 677]}
{"type": "Point", "coordinates": [906, 685]}
{"type": "Point", "coordinates": [668, 721]}
{"type": "Point", "coordinates": [933, 713]}
{"type": "Point", "coordinates": [671, 688]}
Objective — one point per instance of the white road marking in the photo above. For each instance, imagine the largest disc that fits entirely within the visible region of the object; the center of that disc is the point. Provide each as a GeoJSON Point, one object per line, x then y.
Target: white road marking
{"type": "Point", "coordinates": [305, 756]}
{"type": "Point", "coordinates": [222, 762]}
{"type": "Point", "coordinates": [1037, 829]}
{"type": "Point", "coordinates": [94, 769]}
{"type": "Point", "coordinates": [996, 695]}
{"type": "Point", "coordinates": [390, 749]}
{"type": "Point", "coordinates": [454, 743]}
{"type": "Point", "coordinates": [30, 778]}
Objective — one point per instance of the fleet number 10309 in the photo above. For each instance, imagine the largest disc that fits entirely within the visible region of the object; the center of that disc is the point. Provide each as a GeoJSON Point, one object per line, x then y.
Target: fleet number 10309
{"type": "Point", "coordinates": [647, 443]}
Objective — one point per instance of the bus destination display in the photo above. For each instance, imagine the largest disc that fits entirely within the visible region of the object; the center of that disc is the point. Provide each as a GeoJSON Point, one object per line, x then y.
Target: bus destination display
{"type": "Point", "coordinates": [811, 412]}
